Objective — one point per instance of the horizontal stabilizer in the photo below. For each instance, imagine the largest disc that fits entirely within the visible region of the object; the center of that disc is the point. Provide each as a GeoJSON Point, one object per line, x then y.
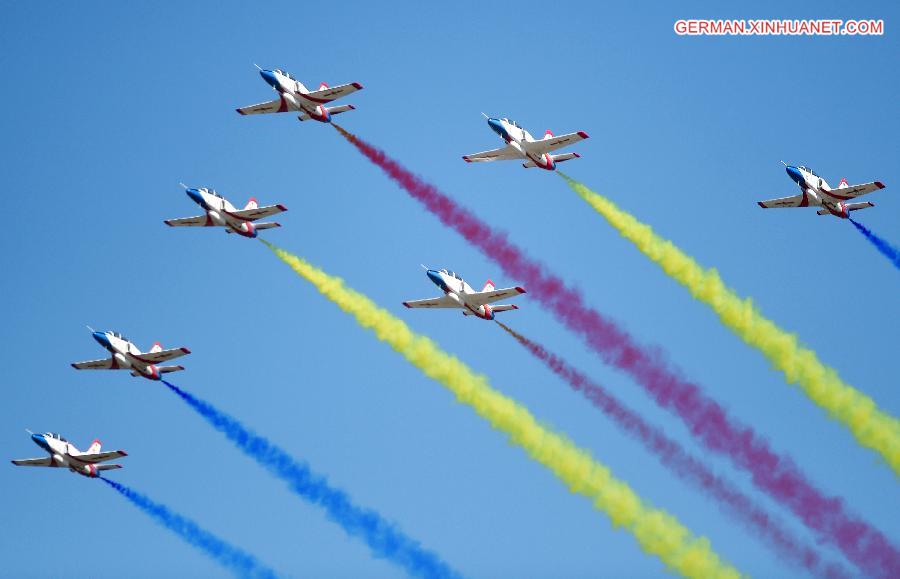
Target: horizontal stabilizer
{"type": "Point", "coordinates": [108, 466]}
{"type": "Point", "coordinates": [556, 159]}
{"type": "Point", "coordinates": [260, 226]}
{"type": "Point", "coordinates": [849, 207]}
{"type": "Point", "coordinates": [565, 157]}
{"type": "Point", "coordinates": [169, 369]}
{"type": "Point", "coordinates": [495, 309]}
{"type": "Point", "coordinates": [331, 111]}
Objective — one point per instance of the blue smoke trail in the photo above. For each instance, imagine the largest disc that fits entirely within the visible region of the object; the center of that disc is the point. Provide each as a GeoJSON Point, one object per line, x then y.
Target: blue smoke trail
{"type": "Point", "coordinates": [892, 253]}
{"type": "Point", "coordinates": [243, 564]}
{"type": "Point", "coordinates": [382, 537]}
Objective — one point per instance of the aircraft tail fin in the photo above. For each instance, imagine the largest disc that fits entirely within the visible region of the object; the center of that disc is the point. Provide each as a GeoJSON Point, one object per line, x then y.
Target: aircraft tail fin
{"type": "Point", "coordinates": [252, 203]}
{"type": "Point", "coordinates": [322, 86]}
{"type": "Point", "coordinates": [548, 135]}
{"type": "Point", "coordinates": [488, 286]}
{"type": "Point", "coordinates": [94, 448]}
{"type": "Point", "coordinates": [157, 347]}
{"type": "Point", "coordinates": [843, 184]}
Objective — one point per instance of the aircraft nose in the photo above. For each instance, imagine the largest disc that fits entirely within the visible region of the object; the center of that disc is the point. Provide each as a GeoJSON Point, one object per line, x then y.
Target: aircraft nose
{"type": "Point", "coordinates": [793, 173]}
{"type": "Point", "coordinates": [195, 195]}
{"type": "Point", "coordinates": [40, 441]}
{"type": "Point", "coordinates": [494, 124]}
{"type": "Point", "coordinates": [269, 77]}
{"type": "Point", "coordinates": [435, 277]}
{"type": "Point", "coordinates": [101, 338]}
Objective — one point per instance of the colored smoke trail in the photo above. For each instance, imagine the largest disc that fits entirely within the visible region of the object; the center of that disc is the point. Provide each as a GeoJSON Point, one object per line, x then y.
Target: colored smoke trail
{"type": "Point", "coordinates": [656, 531]}
{"type": "Point", "coordinates": [383, 538]}
{"type": "Point", "coordinates": [687, 467]}
{"type": "Point", "coordinates": [886, 249]}
{"type": "Point", "coordinates": [772, 473]}
{"type": "Point", "coordinates": [241, 563]}
{"type": "Point", "coordinates": [870, 426]}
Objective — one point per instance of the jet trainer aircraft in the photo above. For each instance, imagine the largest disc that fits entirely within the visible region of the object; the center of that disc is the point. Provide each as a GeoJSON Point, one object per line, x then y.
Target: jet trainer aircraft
{"type": "Point", "coordinates": [521, 145]}
{"type": "Point", "coordinates": [126, 356]}
{"type": "Point", "coordinates": [220, 212]}
{"type": "Point", "coordinates": [814, 191]}
{"type": "Point", "coordinates": [64, 454]}
{"type": "Point", "coordinates": [294, 97]}
{"type": "Point", "coordinates": [459, 294]}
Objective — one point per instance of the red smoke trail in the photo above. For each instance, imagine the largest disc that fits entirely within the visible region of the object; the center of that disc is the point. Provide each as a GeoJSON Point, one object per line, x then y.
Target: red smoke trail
{"type": "Point", "coordinates": [683, 464]}
{"type": "Point", "coordinates": [707, 420]}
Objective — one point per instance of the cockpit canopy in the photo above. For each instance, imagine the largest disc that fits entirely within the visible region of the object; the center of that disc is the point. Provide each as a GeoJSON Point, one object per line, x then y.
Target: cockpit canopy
{"type": "Point", "coordinates": [120, 336]}
{"type": "Point", "coordinates": [56, 436]}
{"type": "Point", "coordinates": [452, 274]}
{"type": "Point", "coordinates": [513, 123]}
{"type": "Point", "coordinates": [287, 74]}
{"type": "Point", "coordinates": [808, 170]}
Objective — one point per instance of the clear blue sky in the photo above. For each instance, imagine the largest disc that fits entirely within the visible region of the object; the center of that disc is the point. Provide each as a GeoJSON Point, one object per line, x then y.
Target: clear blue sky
{"type": "Point", "coordinates": [107, 107]}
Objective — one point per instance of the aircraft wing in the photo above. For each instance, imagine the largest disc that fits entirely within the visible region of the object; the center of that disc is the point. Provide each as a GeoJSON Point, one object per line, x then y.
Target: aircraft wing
{"type": "Point", "coordinates": [506, 153]}
{"type": "Point", "coordinates": [792, 201]}
{"type": "Point", "coordinates": [259, 212]}
{"type": "Point", "coordinates": [441, 302]}
{"type": "Point", "coordinates": [553, 143]}
{"type": "Point", "coordinates": [199, 221]}
{"type": "Point", "coordinates": [46, 461]}
{"type": "Point", "coordinates": [107, 364]}
{"type": "Point", "coordinates": [276, 106]}
{"type": "Point", "coordinates": [96, 457]}
{"type": "Point", "coordinates": [853, 191]}
{"type": "Point", "coordinates": [162, 355]}
{"type": "Point", "coordinates": [482, 298]}
{"type": "Point", "coordinates": [326, 95]}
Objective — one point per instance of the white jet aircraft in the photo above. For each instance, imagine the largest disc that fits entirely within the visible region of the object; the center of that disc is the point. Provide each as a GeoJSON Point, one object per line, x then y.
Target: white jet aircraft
{"type": "Point", "coordinates": [126, 356]}
{"type": "Point", "coordinates": [459, 294]}
{"type": "Point", "coordinates": [64, 454]}
{"type": "Point", "coordinates": [814, 191]}
{"type": "Point", "coordinates": [521, 145]}
{"type": "Point", "coordinates": [220, 212]}
{"type": "Point", "coordinates": [294, 97]}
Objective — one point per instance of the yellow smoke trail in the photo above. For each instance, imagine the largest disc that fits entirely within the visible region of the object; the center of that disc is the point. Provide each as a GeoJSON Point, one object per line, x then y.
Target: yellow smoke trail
{"type": "Point", "coordinates": [872, 427]}
{"type": "Point", "coordinates": [658, 532]}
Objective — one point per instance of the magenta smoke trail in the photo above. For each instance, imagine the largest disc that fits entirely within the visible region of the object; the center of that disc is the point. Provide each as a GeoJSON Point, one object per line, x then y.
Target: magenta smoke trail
{"type": "Point", "coordinates": [687, 467]}
{"type": "Point", "coordinates": [774, 474]}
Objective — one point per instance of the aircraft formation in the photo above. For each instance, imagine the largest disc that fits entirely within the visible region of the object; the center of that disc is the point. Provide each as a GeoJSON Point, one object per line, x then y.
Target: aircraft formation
{"type": "Point", "coordinates": [294, 97]}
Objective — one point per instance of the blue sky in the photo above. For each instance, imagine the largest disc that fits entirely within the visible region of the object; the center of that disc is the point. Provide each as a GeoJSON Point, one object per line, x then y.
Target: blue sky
{"type": "Point", "coordinates": [109, 106]}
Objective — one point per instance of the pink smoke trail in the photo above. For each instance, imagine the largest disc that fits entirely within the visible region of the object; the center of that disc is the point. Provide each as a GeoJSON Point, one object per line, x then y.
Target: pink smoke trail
{"type": "Point", "coordinates": [776, 475]}
{"type": "Point", "coordinates": [687, 467]}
